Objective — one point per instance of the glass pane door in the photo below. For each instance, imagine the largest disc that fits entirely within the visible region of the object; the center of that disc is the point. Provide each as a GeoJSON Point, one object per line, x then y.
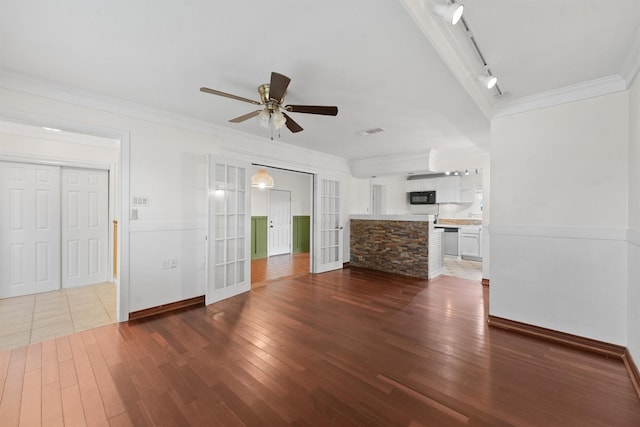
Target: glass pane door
{"type": "Point", "coordinates": [328, 224]}
{"type": "Point", "coordinates": [229, 261]}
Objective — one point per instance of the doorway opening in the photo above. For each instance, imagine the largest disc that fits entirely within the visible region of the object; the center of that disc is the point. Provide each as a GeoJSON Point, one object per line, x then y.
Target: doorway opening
{"type": "Point", "coordinates": [65, 282]}
{"type": "Point", "coordinates": [281, 226]}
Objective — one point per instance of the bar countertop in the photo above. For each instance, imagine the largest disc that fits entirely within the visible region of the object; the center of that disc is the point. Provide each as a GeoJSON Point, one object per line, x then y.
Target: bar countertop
{"type": "Point", "coordinates": [421, 218]}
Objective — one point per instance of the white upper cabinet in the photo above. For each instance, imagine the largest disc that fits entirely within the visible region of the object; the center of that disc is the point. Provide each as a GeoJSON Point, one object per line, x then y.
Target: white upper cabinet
{"type": "Point", "coordinates": [429, 184]}
{"type": "Point", "coordinates": [448, 189]}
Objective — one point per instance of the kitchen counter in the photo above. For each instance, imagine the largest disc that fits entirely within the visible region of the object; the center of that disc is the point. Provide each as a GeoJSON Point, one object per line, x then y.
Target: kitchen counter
{"type": "Point", "coordinates": [401, 244]}
{"type": "Point", "coordinates": [459, 221]}
{"type": "Point", "coordinates": [419, 218]}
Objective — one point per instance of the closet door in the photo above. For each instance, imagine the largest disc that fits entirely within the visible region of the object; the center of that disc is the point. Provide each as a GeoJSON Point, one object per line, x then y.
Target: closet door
{"type": "Point", "coordinates": [85, 227]}
{"type": "Point", "coordinates": [29, 229]}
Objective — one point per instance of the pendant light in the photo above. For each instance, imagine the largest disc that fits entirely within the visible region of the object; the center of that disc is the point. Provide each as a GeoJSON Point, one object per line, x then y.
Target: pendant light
{"type": "Point", "coordinates": [262, 179]}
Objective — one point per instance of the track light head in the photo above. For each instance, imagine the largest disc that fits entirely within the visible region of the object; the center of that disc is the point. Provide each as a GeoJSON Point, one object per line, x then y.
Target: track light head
{"type": "Point", "coordinates": [488, 81]}
{"type": "Point", "coordinates": [450, 13]}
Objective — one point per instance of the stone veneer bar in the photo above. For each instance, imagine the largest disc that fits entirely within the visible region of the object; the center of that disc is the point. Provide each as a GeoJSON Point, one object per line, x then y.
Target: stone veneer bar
{"type": "Point", "coordinates": [394, 244]}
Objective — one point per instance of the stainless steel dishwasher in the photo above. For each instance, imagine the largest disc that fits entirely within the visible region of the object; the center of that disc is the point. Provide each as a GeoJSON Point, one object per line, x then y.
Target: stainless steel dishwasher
{"type": "Point", "coordinates": [449, 240]}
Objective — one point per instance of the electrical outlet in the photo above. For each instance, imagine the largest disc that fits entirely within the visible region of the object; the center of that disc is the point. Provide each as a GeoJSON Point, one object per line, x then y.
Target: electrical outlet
{"type": "Point", "coordinates": [165, 264]}
{"type": "Point", "coordinates": [174, 263]}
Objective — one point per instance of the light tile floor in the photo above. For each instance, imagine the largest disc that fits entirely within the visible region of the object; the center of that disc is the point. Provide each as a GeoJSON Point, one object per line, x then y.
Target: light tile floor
{"type": "Point", "coordinates": [462, 268]}
{"type": "Point", "coordinates": [33, 318]}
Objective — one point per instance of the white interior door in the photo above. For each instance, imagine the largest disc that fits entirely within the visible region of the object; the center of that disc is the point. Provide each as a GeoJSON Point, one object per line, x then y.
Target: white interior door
{"type": "Point", "coordinates": [85, 227]}
{"type": "Point", "coordinates": [279, 222]}
{"type": "Point", "coordinates": [328, 229]}
{"type": "Point", "coordinates": [29, 229]}
{"type": "Point", "coordinates": [229, 235]}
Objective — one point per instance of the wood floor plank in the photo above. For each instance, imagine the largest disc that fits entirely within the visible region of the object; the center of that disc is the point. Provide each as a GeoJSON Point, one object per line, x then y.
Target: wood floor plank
{"type": "Point", "coordinates": [111, 399]}
{"type": "Point", "coordinates": [34, 357]}
{"type": "Point", "coordinates": [92, 403]}
{"type": "Point", "coordinates": [10, 403]}
{"type": "Point", "coordinates": [31, 402]}
{"type": "Point", "coordinates": [52, 414]}
{"type": "Point", "coordinates": [344, 348]}
{"type": "Point", "coordinates": [72, 409]}
{"type": "Point", "coordinates": [50, 373]}
{"type": "Point", "coordinates": [63, 349]}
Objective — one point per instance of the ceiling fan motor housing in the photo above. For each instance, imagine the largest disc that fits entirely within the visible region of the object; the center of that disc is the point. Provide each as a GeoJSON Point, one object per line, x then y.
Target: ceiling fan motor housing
{"type": "Point", "coordinates": [271, 104]}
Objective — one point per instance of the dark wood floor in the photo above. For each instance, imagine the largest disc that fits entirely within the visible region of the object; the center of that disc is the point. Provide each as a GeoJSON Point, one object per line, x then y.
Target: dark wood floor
{"type": "Point", "coordinates": [344, 348]}
{"type": "Point", "coordinates": [264, 270]}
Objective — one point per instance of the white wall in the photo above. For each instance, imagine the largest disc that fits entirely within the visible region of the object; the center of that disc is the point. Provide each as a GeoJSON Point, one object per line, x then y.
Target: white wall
{"type": "Point", "coordinates": [559, 191]}
{"type": "Point", "coordinates": [634, 222]}
{"type": "Point", "coordinates": [396, 193]}
{"type": "Point", "coordinates": [359, 201]}
{"type": "Point", "coordinates": [298, 183]}
{"type": "Point", "coordinates": [168, 162]}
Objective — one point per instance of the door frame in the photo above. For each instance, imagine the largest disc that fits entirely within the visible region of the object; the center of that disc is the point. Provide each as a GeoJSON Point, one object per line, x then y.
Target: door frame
{"type": "Point", "coordinates": [119, 177]}
{"type": "Point", "coordinates": [296, 169]}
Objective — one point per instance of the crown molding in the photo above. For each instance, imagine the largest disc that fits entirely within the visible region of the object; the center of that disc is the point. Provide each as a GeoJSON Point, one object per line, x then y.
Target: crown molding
{"type": "Point", "coordinates": [445, 43]}
{"type": "Point", "coordinates": [564, 95]}
{"type": "Point", "coordinates": [46, 89]}
{"type": "Point", "coordinates": [631, 64]}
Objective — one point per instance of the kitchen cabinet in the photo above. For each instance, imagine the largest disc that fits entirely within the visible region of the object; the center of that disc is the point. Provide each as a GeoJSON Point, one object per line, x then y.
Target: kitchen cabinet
{"type": "Point", "coordinates": [429, 184]}
{"type": "Point", "coordinates": [448, 189]}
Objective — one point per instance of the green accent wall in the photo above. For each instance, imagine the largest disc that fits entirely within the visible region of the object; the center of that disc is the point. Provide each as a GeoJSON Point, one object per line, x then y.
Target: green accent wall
{"type": "Point", "coordinates": [259, 228]}
{"type": "Point", "coordinates": [301, 233]}
{"type": "Point", "coordinates": [258, 237]}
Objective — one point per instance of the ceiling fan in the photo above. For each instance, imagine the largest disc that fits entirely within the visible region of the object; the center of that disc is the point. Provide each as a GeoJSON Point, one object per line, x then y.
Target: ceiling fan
{"type": "Point", "coordinates": [274, 111]}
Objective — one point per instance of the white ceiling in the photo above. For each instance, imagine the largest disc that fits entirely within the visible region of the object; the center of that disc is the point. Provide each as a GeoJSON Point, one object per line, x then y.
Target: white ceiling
{"type": "Point", "coordinates": [384, 63]}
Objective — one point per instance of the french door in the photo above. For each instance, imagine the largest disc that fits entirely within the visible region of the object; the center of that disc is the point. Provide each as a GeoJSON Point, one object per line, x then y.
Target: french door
{"type": "Point", "coordinates": [328, 229]}
{"type": "Point", "coordinates": [229, 229]}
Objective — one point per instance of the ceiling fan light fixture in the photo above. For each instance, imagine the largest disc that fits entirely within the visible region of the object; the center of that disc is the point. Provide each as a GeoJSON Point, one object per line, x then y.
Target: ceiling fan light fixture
{"type": "Point", "coordinates": [487, 80]}
{"type": "Point", "coordinates": [262, 179]}
{"type": "Point", "coordinates": [451, 13]}
{"type": "Point", "coordinates": [264, 118]}
{"type": "Point", "coordinates": [279, 120]}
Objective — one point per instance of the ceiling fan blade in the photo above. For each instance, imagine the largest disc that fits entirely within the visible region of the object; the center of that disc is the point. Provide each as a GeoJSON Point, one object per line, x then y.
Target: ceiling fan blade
{"type": "Point", "coordinates": [278, 86]}
{"type": "Point", "coordinates": [313, 109]}
{"type": "Point", "coordinates": [291, 124]}
{"type": "Point", "coordinates": [228, 95]}
{"type": "Point", "coordinates": [245, 117]}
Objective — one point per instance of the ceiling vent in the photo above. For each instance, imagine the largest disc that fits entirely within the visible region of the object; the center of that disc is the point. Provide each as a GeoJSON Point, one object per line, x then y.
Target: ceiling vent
{"type": "Point", "coordinates": [370, 131]}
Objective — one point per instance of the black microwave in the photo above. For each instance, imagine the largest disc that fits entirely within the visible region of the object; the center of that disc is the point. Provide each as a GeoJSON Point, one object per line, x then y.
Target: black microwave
{"type": "Point", "coordinates": [422, 198]}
